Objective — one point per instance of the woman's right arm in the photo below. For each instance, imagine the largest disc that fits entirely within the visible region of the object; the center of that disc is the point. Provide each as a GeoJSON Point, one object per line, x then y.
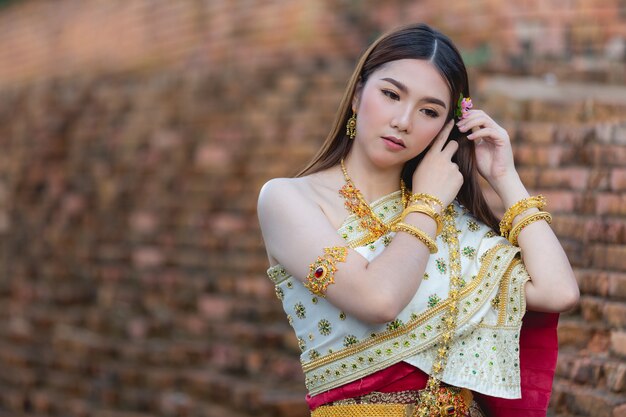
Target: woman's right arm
{"type": "Point", "coordinates": [296, 231]}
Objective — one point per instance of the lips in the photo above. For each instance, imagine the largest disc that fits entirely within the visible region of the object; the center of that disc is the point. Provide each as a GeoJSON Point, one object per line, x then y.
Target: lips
{"type": "Point", "coordinates": [395, 140]}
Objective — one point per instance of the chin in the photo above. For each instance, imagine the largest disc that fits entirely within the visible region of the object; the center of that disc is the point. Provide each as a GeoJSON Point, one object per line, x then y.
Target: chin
{"type": "Point", "coordinates": [388, 160]}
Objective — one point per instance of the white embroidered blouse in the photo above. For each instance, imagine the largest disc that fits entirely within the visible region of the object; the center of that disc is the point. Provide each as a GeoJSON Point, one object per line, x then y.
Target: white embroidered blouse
{"type": "Point", "coordinates": [484, 353]}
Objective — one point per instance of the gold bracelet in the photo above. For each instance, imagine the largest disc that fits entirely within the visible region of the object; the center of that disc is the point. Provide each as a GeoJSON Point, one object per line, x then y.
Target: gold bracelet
{"type": "Point", "coordinates": [429, 199]}
{"type": "Point", "coordinates": [531, 218]}
{"type": "Point", "coordinates": [517, 209]}
{"type": "Point", "coordinates": [415, 232]}
{"type": "Point", "coordinates": [424, 209]}
{"type": "Point", "coordinates": [322, 271]}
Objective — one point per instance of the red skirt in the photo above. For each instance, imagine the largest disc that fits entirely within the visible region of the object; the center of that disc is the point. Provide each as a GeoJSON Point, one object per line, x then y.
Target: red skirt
{"type": "Point", "coordinates": [538, 354]}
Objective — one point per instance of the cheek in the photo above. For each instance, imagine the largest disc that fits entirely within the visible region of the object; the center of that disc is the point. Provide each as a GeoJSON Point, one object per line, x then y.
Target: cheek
{"type": "Point", "coordinates": [432, 129]}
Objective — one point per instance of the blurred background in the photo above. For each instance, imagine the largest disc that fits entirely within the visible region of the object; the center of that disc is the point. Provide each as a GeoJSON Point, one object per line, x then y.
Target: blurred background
{"type": "Point", "coordinates": [135, 135]}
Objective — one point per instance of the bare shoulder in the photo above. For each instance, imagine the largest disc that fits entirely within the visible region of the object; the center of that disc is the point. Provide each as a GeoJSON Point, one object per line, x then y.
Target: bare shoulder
{"type": "Point", "coordinates": [287, 190]}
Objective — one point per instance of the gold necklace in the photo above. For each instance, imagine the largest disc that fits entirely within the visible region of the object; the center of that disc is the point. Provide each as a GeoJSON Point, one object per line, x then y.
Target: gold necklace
{"type": "Point", "coordinates": [355, 203]}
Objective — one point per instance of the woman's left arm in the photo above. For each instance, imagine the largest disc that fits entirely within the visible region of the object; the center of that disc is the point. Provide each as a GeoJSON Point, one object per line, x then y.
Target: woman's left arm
{"type": "Point", "coordinates": [553, 286]}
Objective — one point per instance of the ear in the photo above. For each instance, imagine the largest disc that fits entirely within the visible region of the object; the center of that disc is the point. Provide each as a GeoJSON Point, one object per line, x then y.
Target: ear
{"type": "Point", "coordinates": [356, 98]}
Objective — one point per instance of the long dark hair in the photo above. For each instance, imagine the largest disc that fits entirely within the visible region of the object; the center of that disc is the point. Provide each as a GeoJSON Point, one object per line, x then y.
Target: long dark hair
{"type": "Point", "coordinates": [415, 41]}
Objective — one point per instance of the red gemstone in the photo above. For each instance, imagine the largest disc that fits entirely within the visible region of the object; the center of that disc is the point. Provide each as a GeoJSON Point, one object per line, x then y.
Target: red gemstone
{"type": "Point", "coordinates": [319, 272]}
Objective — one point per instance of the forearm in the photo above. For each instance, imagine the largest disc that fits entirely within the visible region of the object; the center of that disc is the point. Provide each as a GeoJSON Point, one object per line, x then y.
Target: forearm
{"type": "Point", "coordinates": [389, 282]}
{"type": "Point", "coordinates": [553, 286]}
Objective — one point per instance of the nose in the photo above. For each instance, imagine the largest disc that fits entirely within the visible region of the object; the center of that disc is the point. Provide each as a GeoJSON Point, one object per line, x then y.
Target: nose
{"type": "Point", "coordinates": [402, 120]}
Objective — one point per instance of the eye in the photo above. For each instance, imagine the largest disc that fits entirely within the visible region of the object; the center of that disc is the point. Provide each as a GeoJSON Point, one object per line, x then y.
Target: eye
{"type": "Point", "coordinates": [391, 94]}
{"type": "Point", "coordinates": [431, 113]}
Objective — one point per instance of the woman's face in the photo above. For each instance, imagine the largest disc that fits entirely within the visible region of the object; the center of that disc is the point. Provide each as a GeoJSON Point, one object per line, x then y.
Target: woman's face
{"type": "Point", "coordinates": [400, 110]}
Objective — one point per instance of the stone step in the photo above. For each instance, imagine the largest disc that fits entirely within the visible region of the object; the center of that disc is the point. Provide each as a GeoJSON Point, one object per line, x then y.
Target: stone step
{"type": "Point", "coordinates": [243, 394]}
{"type": "Point", "coordinates": [575, 332]}
{"type": "Point", "coordinates": [592, 369]}
{"type": "Point", "coordinates": [568, 397]}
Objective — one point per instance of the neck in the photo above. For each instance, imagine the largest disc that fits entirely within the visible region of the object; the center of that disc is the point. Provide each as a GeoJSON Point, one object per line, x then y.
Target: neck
{"type": "Point", "coordinates": [373, 181]}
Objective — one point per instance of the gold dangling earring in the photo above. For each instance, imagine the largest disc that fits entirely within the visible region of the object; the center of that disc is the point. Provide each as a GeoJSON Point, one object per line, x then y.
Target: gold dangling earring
{"type": "Point", "coordinates": [351, 126]}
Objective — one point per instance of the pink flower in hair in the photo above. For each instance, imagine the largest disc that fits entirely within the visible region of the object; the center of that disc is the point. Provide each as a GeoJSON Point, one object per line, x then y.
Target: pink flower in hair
{"type": "Point", "coordinates": [463, 106]}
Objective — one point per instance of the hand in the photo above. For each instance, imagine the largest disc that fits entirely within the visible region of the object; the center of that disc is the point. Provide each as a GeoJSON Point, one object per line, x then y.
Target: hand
{"type": "Point", "coordinates": [437, 174]}
{"type": "Point", "coordinates": [494, 155]}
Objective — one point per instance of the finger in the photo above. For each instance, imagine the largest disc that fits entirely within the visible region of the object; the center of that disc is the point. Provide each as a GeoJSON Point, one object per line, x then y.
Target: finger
{"type": "Point", "coordinates": [488, 133]}
{"type": "Point", "coordinates": [450, 149]}
{"type": "Point", "coordinates": [474, 122]}
{"type": "Point", "coordinates": [443, 135]}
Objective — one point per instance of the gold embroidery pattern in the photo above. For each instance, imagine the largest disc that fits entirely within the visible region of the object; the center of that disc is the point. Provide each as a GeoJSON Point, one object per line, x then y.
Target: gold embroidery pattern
{"type": "Point", "coordinates": [418, 334]}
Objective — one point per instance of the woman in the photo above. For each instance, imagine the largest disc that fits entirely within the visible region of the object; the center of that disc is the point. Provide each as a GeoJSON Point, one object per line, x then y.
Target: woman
{"type": "Point", "coordinates": [404, 299]}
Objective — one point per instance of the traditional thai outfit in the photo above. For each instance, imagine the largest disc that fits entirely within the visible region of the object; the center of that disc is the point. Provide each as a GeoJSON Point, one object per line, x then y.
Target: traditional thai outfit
{"type": "Point", "coordinates": [348, 362]}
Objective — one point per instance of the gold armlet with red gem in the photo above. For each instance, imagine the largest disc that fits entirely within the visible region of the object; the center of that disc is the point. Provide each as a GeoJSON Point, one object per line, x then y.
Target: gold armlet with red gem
{"type": "Point", "coordinates": [322, 271]}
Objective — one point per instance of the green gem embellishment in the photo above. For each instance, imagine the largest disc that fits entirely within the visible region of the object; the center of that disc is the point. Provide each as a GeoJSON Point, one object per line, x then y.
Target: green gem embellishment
{"type": "Point", "coordinates": [342, 315]}
{"type": "Point", "coordinates": [490, 233]}
{"type": "Point", "coordinates": [324, 327]}
{"type": "Point", "coordinates": [441, 265]}
{"type": "Point", "coordinates": [300, 310]}
{"type": "Point", "coordinates": [289, 284]}
{"type": "Point", "coordinates": [469, 252]}
{"type": "Point", "coordinates": [394, 324]}
{"type": "Point", "coordinates": [426, 276]}
{"type": "Point", "coordinates": [314, 354]}
{"type": "Point", "coordinates": [350, 340]}
{"type": "Point", "coordinates": [314, 300]}
{"type": "Point", "coordinates": [433, 300]}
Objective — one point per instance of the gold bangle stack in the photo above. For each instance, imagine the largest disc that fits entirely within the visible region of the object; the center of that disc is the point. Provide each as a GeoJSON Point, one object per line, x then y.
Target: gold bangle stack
{"type": "Point", "coordinates": [531, 218]}
{"type": "Point", "coordinates": [429, 199]}
{"type": "Point", "coordinates": [517, 209]}
{"type": "Point", "coordinates": [417, 233]}
{"type": "Point", "coordinates": [427, 210]}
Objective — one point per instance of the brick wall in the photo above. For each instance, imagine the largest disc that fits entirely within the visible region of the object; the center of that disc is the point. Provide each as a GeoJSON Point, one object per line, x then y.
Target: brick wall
{"type": "Point", "coordinates": [135, 136]}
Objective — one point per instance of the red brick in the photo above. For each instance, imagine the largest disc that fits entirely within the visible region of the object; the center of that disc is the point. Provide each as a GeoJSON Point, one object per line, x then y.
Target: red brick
{"type": "Point", "coordinates": [616, 377]}
{"type": "Point", "coordinates": [619, 411]}
{"type": "Point", "coordinates": [591, 308]}
{"type": "Point", "coordinates": [618, 342]}
{"type": "Point", "coordinates": [574, 333]}
{"type": "Point", "coordinates": [612, 257]}
{"type": "Point", "coordinates": [570, 178]}
{"type": "Point", "coordinates": [592, 282]}
{"type": "Point", "coordinates": [615, 314]}
{"type": "Point", "coordinates": [214, 307]}
{"type": "Point", "coordinates": [148, 257]}
{"type": "Point", "coordinates": [611, 204]}
{"type": "Point", "coordinates": [560, 201]}
{"type": "Point", "coordinates": [618, 179]}
{"type": "Point", "coordinates": [617, 285]}
{"type": "Point", "coordinates": [539, 133]}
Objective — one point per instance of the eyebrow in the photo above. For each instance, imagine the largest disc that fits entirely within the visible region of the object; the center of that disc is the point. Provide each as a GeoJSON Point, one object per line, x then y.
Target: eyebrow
{"type": "Point", "coordinates": [405, 90]}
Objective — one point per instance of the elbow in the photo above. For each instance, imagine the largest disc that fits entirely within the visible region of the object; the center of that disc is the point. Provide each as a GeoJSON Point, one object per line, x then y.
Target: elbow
{"type": "Point", "coordinates": [570, 300]}
{"type": "Point", "coordinates": [384, 309]}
